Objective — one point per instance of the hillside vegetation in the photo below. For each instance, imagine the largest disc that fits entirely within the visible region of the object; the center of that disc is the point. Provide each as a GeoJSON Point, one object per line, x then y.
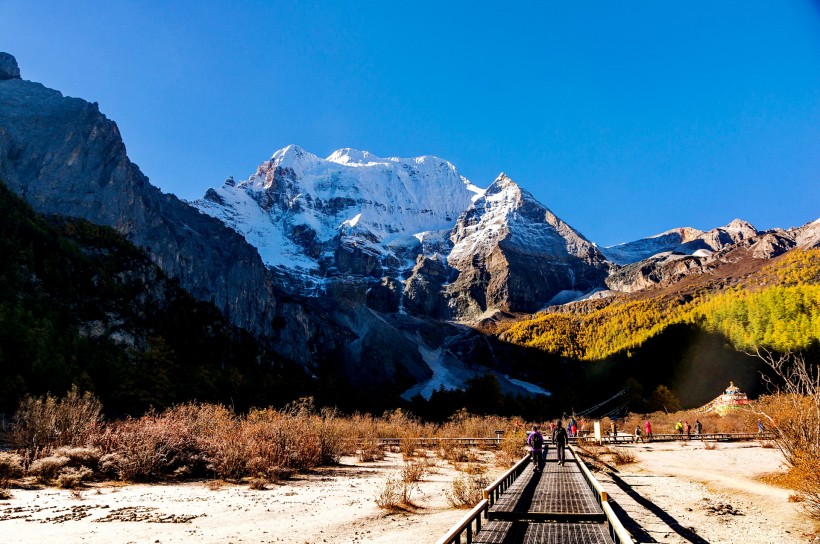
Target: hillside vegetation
{"type": "Point", "coordinates": [80, 305]}
{"type": "Point", "coordinates": [776, 308]}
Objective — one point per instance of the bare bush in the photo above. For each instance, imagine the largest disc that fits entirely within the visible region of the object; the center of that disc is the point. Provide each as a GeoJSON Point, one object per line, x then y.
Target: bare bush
{"type": "Point", "coordinates": [258, 484]}
{"type": "Point", "coordinates": [48, 422]}
{"type": "Point", "coordinates": [622, 456]}
{"type": "Point", "coordinates": [412, 472]}
{"type": "Point", "coordinates": [46, 469]}
{"type": "Point", "coordinates": [390, 495]}
{"type": "Point", "coordinates": [11, 467]}
{"type": "Point", "coordinates": [73, 477]}
{"type": "Point", "coordinates": [466, 491]}
{"type": "Point", "coordinates": [793, 415]}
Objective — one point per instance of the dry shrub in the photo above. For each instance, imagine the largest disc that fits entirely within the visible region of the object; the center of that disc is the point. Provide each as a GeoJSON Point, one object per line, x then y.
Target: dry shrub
{"type": "Point", "coordinates": [46, 469]}
{"type": "Point", "coordinates": [454, 451]}
{"type": "Point", "coordinates": [622, 456]}
{"type": "Point", "coordinates": [466, 491]}
{"type": "Point", "coordinates": [48, 422]}
{"type": "Point", "coordinates": [710, 445]}
{"type": "Point", "coordinates": [81, 456]}
{"type": "Point", "coordinates": [258, 484]}
{"type": "Point", "coordinates": [370, 450]}
{"type": "Point", "coordinates": [5, 493]}
{"type": "Point", "coordinates": [147, 448]}
{"type": "Point", "coordinates": [11, 467]}
{"type": "Point", "coordinates": [412, 472]}
{"type": "Point", "coordinates": [73, 477]}
{"type": "Point", "coordinates": [512, 448]}
{"type": "Point", "coordinates": [390, 495]}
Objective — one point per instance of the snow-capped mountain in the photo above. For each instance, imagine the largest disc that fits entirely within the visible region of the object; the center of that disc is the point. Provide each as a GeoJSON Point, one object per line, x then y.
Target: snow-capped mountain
{"type": "Point", "coordinates": [683, 241]}
{"type": "Point", "coordinates": [352, 212]}
{"type": "Point", "coordinates": [631, 252]}
{"type": "Point", "coordinates": [519, 252]}
{"type": "Point", "coordinates": [356, 217]}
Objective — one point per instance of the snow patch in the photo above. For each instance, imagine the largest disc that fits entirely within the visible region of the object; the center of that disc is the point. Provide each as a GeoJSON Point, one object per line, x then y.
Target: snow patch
{"type": "Point", "coordinates": [530, 387]}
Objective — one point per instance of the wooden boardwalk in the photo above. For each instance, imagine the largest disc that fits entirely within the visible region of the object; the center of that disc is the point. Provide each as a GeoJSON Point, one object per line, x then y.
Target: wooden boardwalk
{"type": "Point", "coordinates": [559, 504]}
{"type": "Point", "coordinates": [556, 504]}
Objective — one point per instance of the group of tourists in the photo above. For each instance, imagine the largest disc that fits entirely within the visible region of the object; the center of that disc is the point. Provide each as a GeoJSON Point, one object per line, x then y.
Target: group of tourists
{"type": "Point", "coordinates": [682, 427]}
{"type": "Point", "coordinates": [648, 432]}
{"type": "Point", "coordinates": [560, 438]}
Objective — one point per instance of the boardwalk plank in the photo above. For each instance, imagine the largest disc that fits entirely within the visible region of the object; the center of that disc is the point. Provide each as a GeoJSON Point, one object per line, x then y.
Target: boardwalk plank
{"type": "Point", "coordinates": [509, 532]}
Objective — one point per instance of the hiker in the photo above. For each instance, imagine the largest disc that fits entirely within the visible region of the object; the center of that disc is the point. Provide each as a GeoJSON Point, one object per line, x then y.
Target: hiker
{"type": "Point", "coordinates": [637, 434]}
{"type": "Point", "coordinates": [679, 427]}
{"type": "Point", "coordinates": [648, 428]}
{"type": "Point", "coordinates": [572, 427]}
{"type": "Point", "coordinates": [613, 429]}
{"type": "Point", "coordinates": [560, 439]}
{"type": "Point", "coordinates": [759, 428]}
{"type": "Point", "coordinates": [688, 429]}
{"type": "Point", "coordinates": [698, 427]}
{"type": "Point", "coordinates": [536, 443]}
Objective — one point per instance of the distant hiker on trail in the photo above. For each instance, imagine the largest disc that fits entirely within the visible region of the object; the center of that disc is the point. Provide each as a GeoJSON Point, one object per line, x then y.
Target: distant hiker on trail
{"type": "Point", "coordinates": [688, 429]}
{"type": "Point", "coordinates": [679, 427]}
{"type": "Point", "coordinates": [759, 428]}
{"type": "Point", "coordinates": [638, 434]}
{"type": "Point", "coordinates": [698, 427]}
{"type": "Point", "coordinates": [560, 439]}
{"type": "Point", "coordinates": [572, 427]}
{"type": "Point", "coordinates": [536, 443]}
{"type": "Point", "coordinates": [613, 431]}
{"type": "Point", "coordinates": [648, 428]}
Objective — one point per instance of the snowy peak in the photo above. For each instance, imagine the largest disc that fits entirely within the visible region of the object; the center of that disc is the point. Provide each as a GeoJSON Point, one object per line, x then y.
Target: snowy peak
{"type": "Point", "coordinates": [353, 157]}
{"type": "Point", "coordinates": [299, 209]}
{"type": "Point", "coordinates": [516, 254]}
{"type": "Point", "coordinates": [631, 252]}
{"type": "Point", "coordinates": [684, 240]}
{"type": "Point", "coordinates": [740, 225]}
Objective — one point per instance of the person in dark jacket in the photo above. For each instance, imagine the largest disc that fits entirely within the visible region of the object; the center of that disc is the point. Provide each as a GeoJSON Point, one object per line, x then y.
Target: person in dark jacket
{"type": "Point", "coordinates": [536, 443]}
{"type": "Point", "coordinates": [560, 439]}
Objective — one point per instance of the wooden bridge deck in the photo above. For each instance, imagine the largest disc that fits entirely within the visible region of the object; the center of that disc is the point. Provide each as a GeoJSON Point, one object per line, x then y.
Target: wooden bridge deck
{"type": "Point", "coordinates": [509, 532]}
{"type": "Point", "coordinates": [555, 505]}
{"type": "Point", "coordinates": [558, 493]}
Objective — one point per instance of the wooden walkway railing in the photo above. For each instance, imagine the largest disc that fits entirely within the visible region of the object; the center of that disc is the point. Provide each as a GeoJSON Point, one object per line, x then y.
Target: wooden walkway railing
{"type": "Point", "coordinates": [501, 526]}
{"type": "Point", "coordinates": [621, 438]}
{"type": "Point", "coordinates": [491, 494]}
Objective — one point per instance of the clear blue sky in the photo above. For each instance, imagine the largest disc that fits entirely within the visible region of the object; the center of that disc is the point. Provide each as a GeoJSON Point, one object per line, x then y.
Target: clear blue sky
{"type": "Point", "coordinates": [625, 118]}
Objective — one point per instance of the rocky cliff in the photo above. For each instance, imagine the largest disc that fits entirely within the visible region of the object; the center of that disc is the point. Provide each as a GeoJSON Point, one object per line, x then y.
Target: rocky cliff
{"type": "Point", "coordinates": [65, 157]}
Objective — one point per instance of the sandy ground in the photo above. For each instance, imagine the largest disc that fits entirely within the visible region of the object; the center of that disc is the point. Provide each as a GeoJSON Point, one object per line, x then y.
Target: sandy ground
{"type": "Point", "coordinates": [674, 493]}
{"type": "Point", "coordinates": [333, 504]}
{"type": "Point", "coordinates": [682, 493]}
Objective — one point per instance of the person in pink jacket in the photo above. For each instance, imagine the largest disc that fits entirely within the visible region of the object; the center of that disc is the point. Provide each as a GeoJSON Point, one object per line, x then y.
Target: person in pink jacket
{"type": "Point", "coordinates": [648, 428]}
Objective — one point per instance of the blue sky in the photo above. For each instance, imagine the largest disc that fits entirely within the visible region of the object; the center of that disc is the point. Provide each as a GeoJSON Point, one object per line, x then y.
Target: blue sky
{"type": "Point", "coordinates": [625, 118]}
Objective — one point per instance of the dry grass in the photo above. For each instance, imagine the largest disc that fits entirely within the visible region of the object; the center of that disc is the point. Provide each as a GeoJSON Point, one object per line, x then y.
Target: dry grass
{"type": "Point", "coordinates": [257, 484]}
{"type": "Point", "coordinates": [192, 440]}
{"type": "Point", "coordinates": [48, 422]}
{"type": "Point", "coordinates": [390, 496]}
{"type": "Point", "coordinates": [466, 491]}
{"type": "Point", "coordinates": [622, 456]}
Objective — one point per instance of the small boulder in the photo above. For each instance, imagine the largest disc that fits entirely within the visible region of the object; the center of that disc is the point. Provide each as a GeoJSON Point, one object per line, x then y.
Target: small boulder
{"type": "Point", "coordinates": [8, 67]}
